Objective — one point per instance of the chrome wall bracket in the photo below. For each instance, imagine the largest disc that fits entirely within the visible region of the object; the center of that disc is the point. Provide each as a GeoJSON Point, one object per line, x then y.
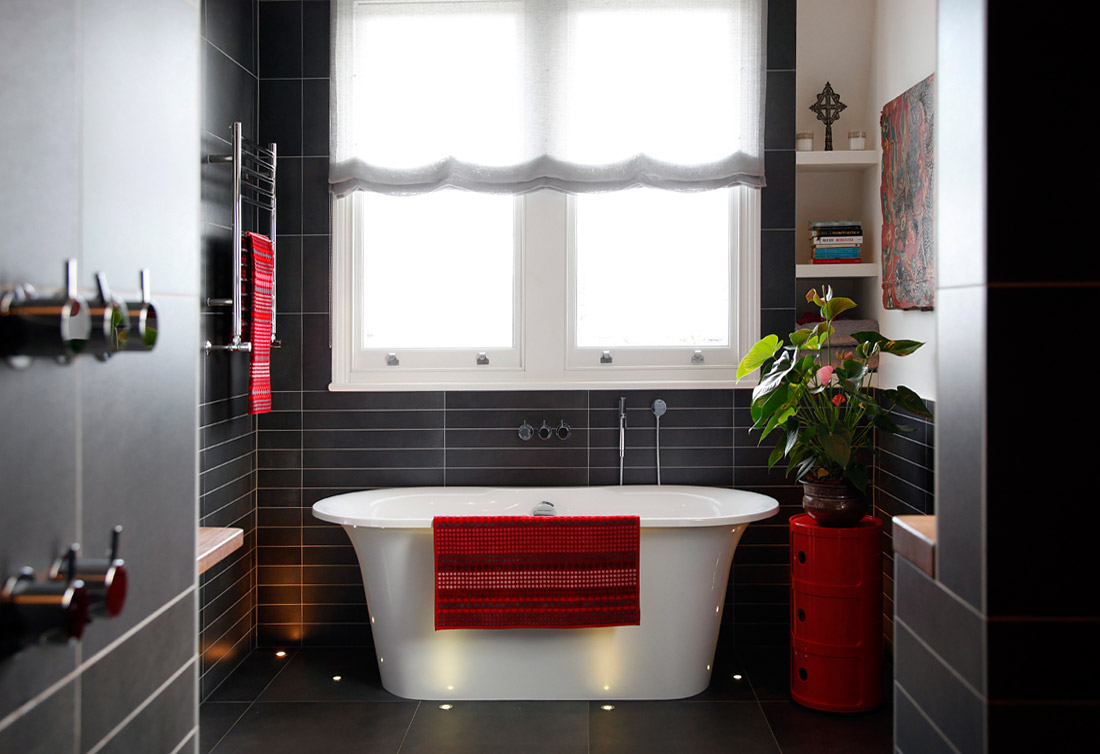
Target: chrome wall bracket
{"type": "Point", "coordinates": [61, 324]}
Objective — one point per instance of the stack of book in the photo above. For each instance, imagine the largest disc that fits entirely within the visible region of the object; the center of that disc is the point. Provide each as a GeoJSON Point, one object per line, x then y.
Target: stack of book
{"type": "Point", "coordinates": [836, 241]}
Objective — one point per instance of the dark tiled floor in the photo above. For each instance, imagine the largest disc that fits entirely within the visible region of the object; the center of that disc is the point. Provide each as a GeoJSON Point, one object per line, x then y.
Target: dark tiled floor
{"type": "Point", "coordinates": [271, 705]}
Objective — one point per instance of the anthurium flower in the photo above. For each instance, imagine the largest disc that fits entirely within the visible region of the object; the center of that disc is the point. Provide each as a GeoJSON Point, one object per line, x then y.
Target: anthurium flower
{"type": "Point", "coordinates": [824, 374]}
{"type": "Point", "coordinates": [838, 399]}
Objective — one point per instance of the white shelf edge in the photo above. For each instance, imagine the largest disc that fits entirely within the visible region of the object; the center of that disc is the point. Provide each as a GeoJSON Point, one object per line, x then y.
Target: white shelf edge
{"type": "Point", "coordinates": [845, 159]}
{"type": "Point", "coordinates": [861, 270]}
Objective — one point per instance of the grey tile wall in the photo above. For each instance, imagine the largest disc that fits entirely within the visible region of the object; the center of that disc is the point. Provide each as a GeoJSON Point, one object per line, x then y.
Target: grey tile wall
{"type": "Point", "coordinates": [317, 443]}
{"type": "Point", "coordinates": [994, 655]}
{"type": "Point", "coordinates": [98, 162]}
{"type": "Point", "coordinates": [227, 459]}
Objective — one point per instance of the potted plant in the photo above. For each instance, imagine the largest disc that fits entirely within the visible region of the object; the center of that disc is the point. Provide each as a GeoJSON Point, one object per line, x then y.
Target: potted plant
{"type": "Point", "coordinates": [824, 411]}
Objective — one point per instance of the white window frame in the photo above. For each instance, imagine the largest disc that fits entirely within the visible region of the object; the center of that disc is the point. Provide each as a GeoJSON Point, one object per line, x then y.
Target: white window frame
{"type": "Point", "coordinates": [543, 356]}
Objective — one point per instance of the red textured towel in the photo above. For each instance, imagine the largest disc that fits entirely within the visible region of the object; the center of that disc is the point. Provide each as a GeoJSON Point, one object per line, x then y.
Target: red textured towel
{"type": "Point", "coordinates": [262, 273]}
{"type": "Point", "coordinates": [536, 571]}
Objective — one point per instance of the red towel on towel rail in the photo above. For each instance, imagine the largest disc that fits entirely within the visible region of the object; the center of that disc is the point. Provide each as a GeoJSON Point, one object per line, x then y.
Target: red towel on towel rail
{"type": "Point", "coordinates": [536, 571]}
{"type": "Point", "coordinates": [261, 274]}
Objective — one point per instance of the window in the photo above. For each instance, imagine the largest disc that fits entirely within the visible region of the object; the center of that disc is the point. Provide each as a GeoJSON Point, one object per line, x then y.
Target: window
{"type": "Point", "coordinates": [538, 193]}
{"type": "Point", "coordinates": [543, 289]}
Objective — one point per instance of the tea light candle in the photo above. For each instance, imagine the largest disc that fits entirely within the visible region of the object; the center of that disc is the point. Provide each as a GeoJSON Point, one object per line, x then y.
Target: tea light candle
{"type": "Point", "coordinates": [857, 140]}
{"type": "Point", "coordinates": [804, 142]}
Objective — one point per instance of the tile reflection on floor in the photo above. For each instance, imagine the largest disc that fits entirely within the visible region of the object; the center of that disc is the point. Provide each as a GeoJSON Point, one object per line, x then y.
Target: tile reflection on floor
{"type": "Point", "coordinates": [320, 699]}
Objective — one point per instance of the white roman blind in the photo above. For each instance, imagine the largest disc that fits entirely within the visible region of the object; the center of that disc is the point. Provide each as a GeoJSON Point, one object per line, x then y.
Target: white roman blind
{"type": "Point", "coordinates": [510, 96]}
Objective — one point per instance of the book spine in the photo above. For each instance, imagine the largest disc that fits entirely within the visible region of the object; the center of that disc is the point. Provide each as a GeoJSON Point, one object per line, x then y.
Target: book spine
{"type": "Point", "coordinates": [835, 261]}
{"type": "Point", "coordinates": [835, 224]}
{"type": "Point", "coordinates": [835, 253]}
{"type": "Point", "coordinates": [837, 240]}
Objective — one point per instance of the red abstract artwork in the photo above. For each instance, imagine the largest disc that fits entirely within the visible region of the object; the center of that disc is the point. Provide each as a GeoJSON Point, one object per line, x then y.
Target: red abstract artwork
{"type": "Point", "coordinates": [908, 239]}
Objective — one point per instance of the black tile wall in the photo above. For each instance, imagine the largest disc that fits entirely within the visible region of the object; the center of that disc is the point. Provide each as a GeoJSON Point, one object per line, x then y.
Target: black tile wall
{"type": "Point", "coordinates": [316, 443]}
{"type": "Point", "coordinates": [227, 438]}
{"type": "Point", "coordinates": [991, 652]}
{"type": "Point", "coordinates": [904, 485]}
{"type": "Point", "coordinates": [92, 94]}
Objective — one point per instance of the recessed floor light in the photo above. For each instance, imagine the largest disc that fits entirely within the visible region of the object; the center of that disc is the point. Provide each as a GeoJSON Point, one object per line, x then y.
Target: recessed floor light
{"type": "Point", "coordinates": [338, 678]}
{"type": "Point", "coordinates": [446, 707]}
{"type": "Point", "coordinates": [737, 676]}
{"type": "Point", "coordinates": [607, 707]}
{"type": "Point", "coordinates": [280, 653]}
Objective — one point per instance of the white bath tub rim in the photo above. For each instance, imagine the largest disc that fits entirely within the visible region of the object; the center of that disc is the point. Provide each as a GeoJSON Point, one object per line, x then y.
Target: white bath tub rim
{"type": "Point", "coordinates": [657, 506]}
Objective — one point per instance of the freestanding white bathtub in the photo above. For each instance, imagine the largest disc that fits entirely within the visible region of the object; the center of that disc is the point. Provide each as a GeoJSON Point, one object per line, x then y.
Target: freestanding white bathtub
{"type": "Point", "coordinates": [688, 536]}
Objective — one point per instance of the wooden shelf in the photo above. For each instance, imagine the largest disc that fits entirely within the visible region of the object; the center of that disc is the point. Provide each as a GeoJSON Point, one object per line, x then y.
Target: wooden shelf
{"type": "Point", "coordinates": [215, 543]}
{"type": "Point", "coordinates": [846, 159]}
{"type": "Point", "coordinates": [915, 540]}
{"type": "Point", "coordinates": [862, 270]}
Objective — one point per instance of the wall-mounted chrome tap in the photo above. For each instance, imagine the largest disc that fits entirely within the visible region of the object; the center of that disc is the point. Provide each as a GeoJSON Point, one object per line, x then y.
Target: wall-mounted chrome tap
{"type": "Point", "coordinates": [622, 436]}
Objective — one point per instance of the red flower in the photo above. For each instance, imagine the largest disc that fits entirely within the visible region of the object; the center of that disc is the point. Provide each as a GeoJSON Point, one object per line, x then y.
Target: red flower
{"type": "Point", "coordinates": [838, 399]}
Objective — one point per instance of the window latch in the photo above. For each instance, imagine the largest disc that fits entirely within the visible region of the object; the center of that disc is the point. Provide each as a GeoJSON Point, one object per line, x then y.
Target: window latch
{"type": "Point", "coordinates": [606, 358]}
{"type": "Point", "coordinates": [392, 360]}
{"type": "Point", "coordinates": [697, 357]}
{"type": "Point", "coordinates": [482, 359]}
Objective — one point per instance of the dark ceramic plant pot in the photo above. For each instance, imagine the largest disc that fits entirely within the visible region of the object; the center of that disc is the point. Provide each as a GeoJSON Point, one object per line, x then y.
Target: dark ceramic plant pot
{"type": "Point", "coordinates": [833, 503]}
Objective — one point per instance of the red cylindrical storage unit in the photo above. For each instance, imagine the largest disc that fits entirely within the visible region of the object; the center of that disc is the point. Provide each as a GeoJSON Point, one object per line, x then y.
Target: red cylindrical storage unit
{"type": "Point", "coordinates": [836, 615]}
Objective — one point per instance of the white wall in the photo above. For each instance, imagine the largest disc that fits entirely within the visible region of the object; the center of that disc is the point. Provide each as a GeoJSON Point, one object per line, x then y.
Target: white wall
{"type": "Point", "coordinates": [903, 53]}
{"type": "Point", "coordinates": [870, 51]}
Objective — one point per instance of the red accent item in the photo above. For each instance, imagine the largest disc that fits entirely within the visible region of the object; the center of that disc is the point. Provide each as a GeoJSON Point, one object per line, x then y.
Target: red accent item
{"type": "Point", "coordinates": [116, 591]}
{"type": "Point", "coordinates": [536, 571]}
{"type": "Point", "coordinates": [262, 276]}
{"type": "Point", "coordinates": [836, 615]}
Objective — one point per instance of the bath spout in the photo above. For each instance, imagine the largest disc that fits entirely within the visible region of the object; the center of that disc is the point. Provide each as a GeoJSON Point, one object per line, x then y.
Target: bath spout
{"type": "Point", "coordinates": [544, 508]}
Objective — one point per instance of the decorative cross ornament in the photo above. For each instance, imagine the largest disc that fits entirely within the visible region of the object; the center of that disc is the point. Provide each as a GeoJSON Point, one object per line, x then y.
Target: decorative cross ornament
{"type": "Point", "coordinates": [828, 107]}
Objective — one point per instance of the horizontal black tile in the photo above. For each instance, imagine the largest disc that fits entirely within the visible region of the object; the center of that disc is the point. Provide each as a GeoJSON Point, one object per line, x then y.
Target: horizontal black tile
{"type": "Point", "coordinates": [368, 478]}
{"type": "Point", "coordinates": [517, 477]}
{"type": "Point", "coordinates": [372, 438]}
{"type": "Point", "coordinates": [372, 419]}
{"type": "Point", "coordinates": [400, 458]}
{"type": "Point", "coordinates": [536, 457]}
{"type": "Point", "coordinates": [371, 401]}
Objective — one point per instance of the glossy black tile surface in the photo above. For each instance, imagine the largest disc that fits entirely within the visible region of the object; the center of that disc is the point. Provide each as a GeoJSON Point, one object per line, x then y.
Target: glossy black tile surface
{"type": "Point", "coordinates": [280, 32]}
{"type": "Point", "coordinates": [356, 440]}
{"type": "Point", "coordinates": [298, 703]}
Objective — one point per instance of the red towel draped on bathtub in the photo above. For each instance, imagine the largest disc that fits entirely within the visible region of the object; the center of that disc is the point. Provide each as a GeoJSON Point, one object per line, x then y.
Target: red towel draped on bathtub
{"type": "Point", "coordinates": [536, 571]}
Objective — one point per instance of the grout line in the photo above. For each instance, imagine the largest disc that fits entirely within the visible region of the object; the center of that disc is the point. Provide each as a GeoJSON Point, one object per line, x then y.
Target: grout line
{"type": "Point", "coordinates": [409, 727]}
{"type": "Point", "coordinates": [140, 708]}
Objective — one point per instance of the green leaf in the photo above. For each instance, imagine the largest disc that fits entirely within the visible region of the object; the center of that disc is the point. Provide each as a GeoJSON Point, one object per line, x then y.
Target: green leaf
{"type": "Point", "coordinates": [858, 475]}
{"type": "Point", "coordinates": [792, 439]}
{"type": "Point", "coordinates": [776, 454]}
{"type": "Point", "coordinates": [758, 355]}
{"type": "Point", "coordinates": [886, 424]}
{"type": "Point", "coordinates": [900, 347]}
{"type": "Point", "coordinates": [774, 377]}
{"type": "Point", "coordinates": [837, 447]}
{"type": "Point", "coordinates": [798, 337]}
{"type": "Point", "coordinates": [911, 402]}
{"type": "Point", "coordinates": [835, 306]}
{"type": "Point", "coordinates": [805, 466]}
{"type": "Point", "coordinates": [868, 336]}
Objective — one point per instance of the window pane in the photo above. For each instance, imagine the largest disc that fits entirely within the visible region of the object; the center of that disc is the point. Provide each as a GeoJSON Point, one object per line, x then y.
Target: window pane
{"type": "Point", "coordinates": [653, 269]}
{"type": "Point", "coordinates": [438, 270]}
